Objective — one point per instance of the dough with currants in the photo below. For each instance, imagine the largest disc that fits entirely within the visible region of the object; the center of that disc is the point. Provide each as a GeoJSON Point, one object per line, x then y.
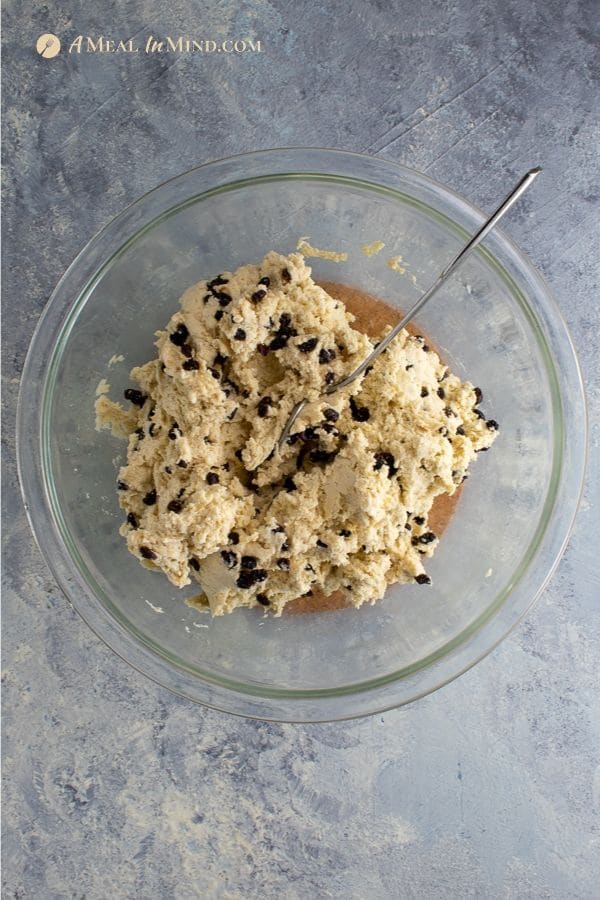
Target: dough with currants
{"type": "Point", "coordinates": [344, 505]}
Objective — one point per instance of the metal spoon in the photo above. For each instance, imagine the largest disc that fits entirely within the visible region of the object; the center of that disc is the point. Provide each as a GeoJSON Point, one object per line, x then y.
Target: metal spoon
{"type": "Point", "coordinates": [452, 267]}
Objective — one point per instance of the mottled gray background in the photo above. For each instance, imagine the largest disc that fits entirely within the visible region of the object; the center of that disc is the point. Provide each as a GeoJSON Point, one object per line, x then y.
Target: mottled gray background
{"type": "Point", "coordinates": [113, 787]}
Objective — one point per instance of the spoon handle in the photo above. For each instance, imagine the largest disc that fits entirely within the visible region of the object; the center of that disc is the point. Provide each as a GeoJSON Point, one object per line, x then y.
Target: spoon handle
{"type": "Point", "coordinates": [450, 268]}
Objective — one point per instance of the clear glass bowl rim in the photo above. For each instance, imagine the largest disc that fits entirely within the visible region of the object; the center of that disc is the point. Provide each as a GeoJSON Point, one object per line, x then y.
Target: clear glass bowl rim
{"type": "Point", "coordinates": [284, 705]}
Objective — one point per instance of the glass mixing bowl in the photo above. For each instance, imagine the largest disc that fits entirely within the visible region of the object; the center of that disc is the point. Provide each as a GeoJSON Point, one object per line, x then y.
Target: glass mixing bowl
{"type": "Point", "coordinates": [496, 325]}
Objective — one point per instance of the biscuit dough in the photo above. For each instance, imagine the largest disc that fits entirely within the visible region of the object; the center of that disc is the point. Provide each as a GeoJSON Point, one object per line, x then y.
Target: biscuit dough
{"type": "Point", "coordinates": [344, 506]}
{"type": "Point", "coordinates": [307, 250]}
{"type": "Point", "coordinates": [373, 248]}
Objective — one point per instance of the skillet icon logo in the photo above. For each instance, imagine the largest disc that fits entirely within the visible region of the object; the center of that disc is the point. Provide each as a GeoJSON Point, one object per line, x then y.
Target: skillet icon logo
{"type": "Point", "coordinates": [48, 45]}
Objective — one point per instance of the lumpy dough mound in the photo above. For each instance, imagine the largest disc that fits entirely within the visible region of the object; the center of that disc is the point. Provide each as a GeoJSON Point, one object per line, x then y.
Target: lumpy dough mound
{"type": "Point", "coordinates": [344, 506]}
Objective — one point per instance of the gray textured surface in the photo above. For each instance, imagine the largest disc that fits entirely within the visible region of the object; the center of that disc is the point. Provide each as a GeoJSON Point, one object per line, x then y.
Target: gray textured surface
{"type": "Point", "coordinates": [489, 788]}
